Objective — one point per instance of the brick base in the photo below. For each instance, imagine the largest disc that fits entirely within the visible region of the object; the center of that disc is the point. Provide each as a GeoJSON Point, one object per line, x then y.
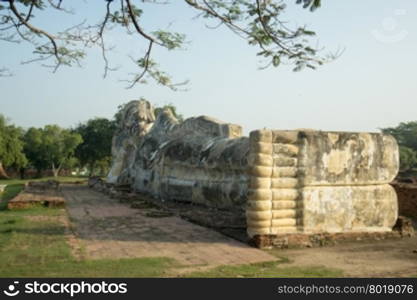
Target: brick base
{"type": "Point", "coordinates": [403, 228]}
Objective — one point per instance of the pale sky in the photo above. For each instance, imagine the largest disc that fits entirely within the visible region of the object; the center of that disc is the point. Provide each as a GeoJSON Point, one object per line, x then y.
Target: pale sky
{"type": "Point", "coordinates": [372, 85]}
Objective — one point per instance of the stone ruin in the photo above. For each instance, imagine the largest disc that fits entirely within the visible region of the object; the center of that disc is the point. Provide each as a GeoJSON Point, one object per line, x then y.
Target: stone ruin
{"type": "Point", "coordinates": [286, 183]}
{"type": "Point", "coordinates": [38, 193]}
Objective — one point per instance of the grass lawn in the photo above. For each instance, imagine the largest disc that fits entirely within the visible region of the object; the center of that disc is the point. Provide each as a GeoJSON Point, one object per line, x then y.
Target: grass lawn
{"type": "Point", "coordinates": [9, 193]}
{"type": "Point", "coordinates": [33, 244]}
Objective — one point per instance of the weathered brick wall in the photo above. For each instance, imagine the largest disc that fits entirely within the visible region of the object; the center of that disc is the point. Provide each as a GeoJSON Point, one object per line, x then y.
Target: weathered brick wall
{"type": "Point", "coordinates": [407, 199]}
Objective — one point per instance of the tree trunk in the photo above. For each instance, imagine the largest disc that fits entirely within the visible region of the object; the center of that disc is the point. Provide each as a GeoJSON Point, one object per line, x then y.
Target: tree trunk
{"type": "Point", "coordinates": [55, 170]}
{"type": "Point", "coordinates": [3, 174]}
{"type": "Point", "coordinates": [92, 165]}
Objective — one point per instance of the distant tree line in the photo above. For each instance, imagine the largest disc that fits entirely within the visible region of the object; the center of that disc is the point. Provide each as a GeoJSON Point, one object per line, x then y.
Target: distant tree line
{"type": "Point", "coordinates": [85, 147]}
{"type": "Point", "coordinates": [406, 136]}
{"type": "Point", "coordinates": [88, 145]}
{"type": "Point", "coordinates": [11, 146]}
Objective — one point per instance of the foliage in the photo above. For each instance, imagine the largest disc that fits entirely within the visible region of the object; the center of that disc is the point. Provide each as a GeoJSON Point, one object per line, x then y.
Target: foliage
{"type": "Point", "coordinates": [172, 108]}
{"type": "Point", "coordinates": [102, 166]}
{"type": "Point", "coordinates": [33, 148]}
{"type": "Point", "coordinates": [408, 158]}
{"type": "Point", "coordinates": [406, 135]}
{"type": "Point", "coordinates": [95, 150]}
{"type": "Point", "coordinates": [71, 163]}
{"type": "Point", "coordinates": [51, 146]}
{"type": "Point", "coordinates": [9, 193]}
{"type": "Point", "coordinates": [260, 23]}
{"type": "Point", "coordinates": [11, 145]}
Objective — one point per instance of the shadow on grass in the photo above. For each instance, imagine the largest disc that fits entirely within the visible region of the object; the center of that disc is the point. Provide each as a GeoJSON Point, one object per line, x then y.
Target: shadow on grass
{"type": "Point", "coordinates": [45, 230]}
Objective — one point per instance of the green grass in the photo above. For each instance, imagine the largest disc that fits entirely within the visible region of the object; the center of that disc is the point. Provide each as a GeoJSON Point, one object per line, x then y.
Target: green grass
{"type": "Point", "coordinates": [38, 248]}
{"type": "Point", "coordinates": [10, 192]}
{"type": "Point", "coordinates": [33, 244]}
{"type": "Point", "coordinates": [14, 186]}
{"type": "Point", "coordinates": [135, 268]}
{"type": "Point", "coordinates": [274, 269]}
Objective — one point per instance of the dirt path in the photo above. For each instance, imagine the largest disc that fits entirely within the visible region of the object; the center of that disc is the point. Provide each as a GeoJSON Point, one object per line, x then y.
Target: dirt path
{"type": "Point", "coordinates": [109, 229]}
{"type": "Point", "coordinates": [385, 258]}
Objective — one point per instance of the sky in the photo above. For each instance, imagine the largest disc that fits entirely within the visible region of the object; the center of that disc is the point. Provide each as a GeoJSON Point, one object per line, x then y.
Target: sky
{"type": "Point", "coordinates": [371, 85]}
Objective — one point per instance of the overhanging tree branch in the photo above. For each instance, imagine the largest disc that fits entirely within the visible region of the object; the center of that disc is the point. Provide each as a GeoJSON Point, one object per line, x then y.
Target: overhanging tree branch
{"type": "Point", "coordinates": [258, 22]}
{"type": "Point", "coordinates": [36, 30]}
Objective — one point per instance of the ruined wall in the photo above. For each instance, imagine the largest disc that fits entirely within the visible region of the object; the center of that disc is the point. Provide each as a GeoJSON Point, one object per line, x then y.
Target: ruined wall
{"type": "Point", "coordinates": [285, 181]}
{"type": "Point", "coordinates": [313, 181]}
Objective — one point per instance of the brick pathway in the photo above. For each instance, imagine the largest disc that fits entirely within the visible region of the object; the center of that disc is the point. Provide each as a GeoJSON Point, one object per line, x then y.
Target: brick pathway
{"type": "Point", "coordinates": [109, 229]}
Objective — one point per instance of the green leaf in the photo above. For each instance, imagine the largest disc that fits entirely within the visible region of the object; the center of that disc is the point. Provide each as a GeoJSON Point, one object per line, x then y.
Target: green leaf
{"type": "Point", "coordinates": [276, 60]}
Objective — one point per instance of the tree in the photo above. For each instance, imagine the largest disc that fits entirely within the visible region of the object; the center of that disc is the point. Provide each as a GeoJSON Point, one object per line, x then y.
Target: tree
{"type": "Point", "coordinates": [11, 147]}
{"type": "Point", "coordinates": [33, 149]}
{"type": "Point", "coordinates": [51, 147]}
{"type": "Point", "coordinates": [95, 150]}
{"type": "Point", "coordinates": [406, 136]}
{"type": "Point", "coordinates": [408, 158]}
{"type": "Point", "coordinates": [258, 22]}
{"type": "Point", "coordinates": [171, 107]}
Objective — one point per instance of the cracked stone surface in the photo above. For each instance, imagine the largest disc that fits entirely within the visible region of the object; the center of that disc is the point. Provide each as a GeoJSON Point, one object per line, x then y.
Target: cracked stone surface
{"type": "Point", "coordinates": [109, 229]}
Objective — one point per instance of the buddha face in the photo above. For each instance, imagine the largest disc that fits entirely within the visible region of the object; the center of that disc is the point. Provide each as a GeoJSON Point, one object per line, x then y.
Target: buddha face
{"type": "Point", "coordinates": [138, 117]}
